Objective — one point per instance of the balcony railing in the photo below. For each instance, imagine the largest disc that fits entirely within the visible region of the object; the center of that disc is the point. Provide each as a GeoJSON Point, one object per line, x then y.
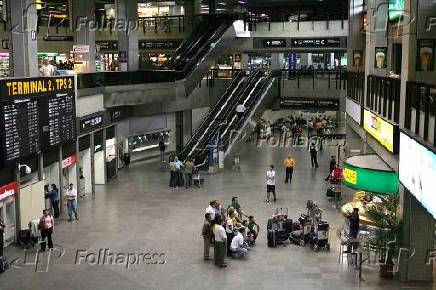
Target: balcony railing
{"type": "Point", "coordinates": [420, 99]}
{"type": "Point", "coordinates": [314, 79]}
{"type": "Point", "coordinates": [383, 96]}
{"type": "Point", "coordinates": [356, 86]}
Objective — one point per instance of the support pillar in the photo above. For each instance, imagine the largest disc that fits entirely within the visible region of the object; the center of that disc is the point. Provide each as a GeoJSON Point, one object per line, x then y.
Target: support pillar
{"type": "Point", "coordinates": [127, 15]}
{"type": "Point", "coordinates": [212, 6]}
{"type": "Point", "coordinates": [187, 126]}
{"type": "Point", "coordinates": [92, 152]}
{"type": "Point", "coordinates": [355, 36]}
{"type": "Point", "coordinates": [24, 37]}
{"type": "Point", "coordinates": [277, 61]}
{"type": "Point", "coordinates": [84, 24]}
{"type": "Point", "coordinates": [192, 10]}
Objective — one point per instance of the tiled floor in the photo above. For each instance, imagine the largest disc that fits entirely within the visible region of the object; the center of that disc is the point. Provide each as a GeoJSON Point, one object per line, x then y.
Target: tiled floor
{"type": "Point", "coordinates": [139, 213]}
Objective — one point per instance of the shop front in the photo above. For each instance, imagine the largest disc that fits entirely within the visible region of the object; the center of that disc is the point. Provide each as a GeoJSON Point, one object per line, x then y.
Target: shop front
{"type": "Point", "coordinates": [153, 54]}
{"type": "Point", "coordinates": [106, 58]}
{"type": "Point", "coordinates": [8, 193]}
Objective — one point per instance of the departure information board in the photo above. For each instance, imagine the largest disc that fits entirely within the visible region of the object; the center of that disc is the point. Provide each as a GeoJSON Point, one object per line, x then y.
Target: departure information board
{"type": "Point", "coordinates": [37, 114]}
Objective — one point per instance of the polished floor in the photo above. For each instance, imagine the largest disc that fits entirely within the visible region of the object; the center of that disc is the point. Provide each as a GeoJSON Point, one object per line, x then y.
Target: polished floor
{"type": "Point", "coordinates": [139, 213]}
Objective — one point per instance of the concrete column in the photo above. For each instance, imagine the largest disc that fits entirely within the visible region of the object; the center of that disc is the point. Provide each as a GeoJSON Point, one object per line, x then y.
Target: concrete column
{"type": "Point", "coordinates": [192, 10]}
{"type": "Point", "coordinates": [244, 60]}
{"type": "Point", "coordinates": [355, 34]}
{"type": "Point", "coordinates": [418, 235]}
{"type": "Point", "coordinates": [92, 152]}
{"type": "Point", "coordinates": [84, 30]}
{"type": "Point", "coordinates": [24, 37]}
{"type": "Point", "coordinates": [309, 59]}
{"type": "Point", "coordinates": [277, 60]}
{"type": "Point", "coordinates": [408, 62]}
{"type": "Point", "coordinates": [187, 126]}
{"type": "Point", "coordinates": [127, 16]}
{"type": "Point", "coordinates": [61, 181]}
{"type": "Point", "coordinates": [212, 6]}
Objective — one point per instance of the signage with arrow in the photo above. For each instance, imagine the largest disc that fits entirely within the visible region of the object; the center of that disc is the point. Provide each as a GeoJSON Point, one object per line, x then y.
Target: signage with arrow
{"type": "Point", "coordinates": [316, 42]}
{"type": "Point", "coordinates": [274, 43]}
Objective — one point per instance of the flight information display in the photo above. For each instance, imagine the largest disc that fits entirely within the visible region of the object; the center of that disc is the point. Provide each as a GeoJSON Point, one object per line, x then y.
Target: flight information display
{"type": "Point", "coordinates": [37, 114]}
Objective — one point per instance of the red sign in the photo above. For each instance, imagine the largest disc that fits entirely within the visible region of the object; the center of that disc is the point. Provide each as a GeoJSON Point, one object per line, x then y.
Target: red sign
{"type": "Point", "coordinates": [69, 161]}
{"type": "Point", "coordinates": [8, 190]}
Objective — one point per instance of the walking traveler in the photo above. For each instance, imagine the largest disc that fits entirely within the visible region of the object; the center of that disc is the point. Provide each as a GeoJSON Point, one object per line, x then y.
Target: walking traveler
{"type": "Point", "coordinates": [71, 196]}
{"type": "Point", "coordinates": [289, 164]}
{"type": "Point", "coordinates": [313, 155]}
{"type": "Point", "coordinates": [2, 231]}
{"type": "Point", "coordinates": [162, 148]}
{"type": "Point", "coordinates": [189, 169]}
{"type": "Point", "coordinates": [54, 199]}
{"type": "Point", "coordinates": [46, 226]}
{"type": "Point", "coordinates": [270, 183]}
{"type": "Point", "coordinates": [220, 243]}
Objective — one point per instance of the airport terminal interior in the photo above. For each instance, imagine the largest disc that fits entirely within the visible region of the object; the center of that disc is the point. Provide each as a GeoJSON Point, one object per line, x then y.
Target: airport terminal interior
{"type": "Point", "coordinates": [218, 144]}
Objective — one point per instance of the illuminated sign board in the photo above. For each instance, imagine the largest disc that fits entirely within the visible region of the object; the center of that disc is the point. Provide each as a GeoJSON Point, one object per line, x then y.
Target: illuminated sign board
{"type": "Point", "coordinates": [417, 171]}
{"type": "Point", "coordinates": [396, 9]}
{"type": "Point", "coordinates": [383, 131]}
{"type": "Point", "coordinates": [371, 180]}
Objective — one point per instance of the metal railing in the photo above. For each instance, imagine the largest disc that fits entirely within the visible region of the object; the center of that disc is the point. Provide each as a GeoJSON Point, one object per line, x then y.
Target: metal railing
{"type": "Point", "coordinates": [421, 98]}
{"type": "Point", "coordinates": [383, 96]}
{"type": "Point", "coordinates": [356, 86]}
{"type": "Point", "coordinates": [316, 79]}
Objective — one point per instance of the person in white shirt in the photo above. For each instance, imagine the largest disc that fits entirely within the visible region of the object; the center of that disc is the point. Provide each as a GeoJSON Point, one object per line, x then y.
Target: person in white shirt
{"type": "Point", "coordinates": [210, 210]}
{"type": "Point", "coordinates": [229, 228]}
{"type": "Point", "coordinates": [71, 196]}
{"type": "Point", "coordinates": [240, 110]}
{"type": "Point", "coordinates": [220, 243]}
{"type": "Point", "coordinates": [270, 183]}
{"type": "Point", "coordinates": [237, 246]}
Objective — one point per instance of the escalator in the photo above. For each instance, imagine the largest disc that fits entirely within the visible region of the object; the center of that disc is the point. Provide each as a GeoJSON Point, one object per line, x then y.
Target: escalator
{"type": "Point", "coordinates": [222, 123]}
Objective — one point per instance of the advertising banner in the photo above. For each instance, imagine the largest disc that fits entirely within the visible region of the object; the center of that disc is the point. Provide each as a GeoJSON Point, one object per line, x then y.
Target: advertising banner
{"type": "Point", "coordinates": [383, 131]}
{"type": "Point", "coordinates": [354, 110]}
{"type": "Point", "coordinates": [371, 180]}
{"type": "Point", "coordinates": [417, 171]}
{"type": "Point", "coordinates": [381, 58]}
{"type": "Point", "coordinates": [425, 55]}
{"type": "Point", "coordinates": [8, 190]}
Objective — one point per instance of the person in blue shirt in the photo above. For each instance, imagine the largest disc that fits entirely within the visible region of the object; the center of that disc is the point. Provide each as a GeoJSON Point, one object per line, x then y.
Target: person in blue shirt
{"type": "Point", "coordinates": [54, 199]}
{"type": "Point", "coordinates": [179, 174]}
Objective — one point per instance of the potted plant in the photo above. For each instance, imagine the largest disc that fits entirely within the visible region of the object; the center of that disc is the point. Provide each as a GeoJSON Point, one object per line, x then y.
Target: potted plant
{"type": "Point", "coordinates": [387, 235]}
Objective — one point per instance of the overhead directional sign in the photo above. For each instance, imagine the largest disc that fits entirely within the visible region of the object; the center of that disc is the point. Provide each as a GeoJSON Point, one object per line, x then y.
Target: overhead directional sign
{"type": "Point", "coordinates": [316, 42]}
{"type": "Point", "coordinates": [274, 42]}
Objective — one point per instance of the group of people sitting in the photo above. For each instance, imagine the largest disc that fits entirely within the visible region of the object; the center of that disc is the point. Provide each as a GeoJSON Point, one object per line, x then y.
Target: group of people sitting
{"type": "Point", "coordinates": [181, 173]}
{"type": "Point", "coordinates": [228, 231]}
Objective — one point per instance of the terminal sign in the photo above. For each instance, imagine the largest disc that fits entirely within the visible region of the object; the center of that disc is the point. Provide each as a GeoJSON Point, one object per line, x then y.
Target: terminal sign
{"type": "Point", "coordinates": [316, 42]}
{"type": "Point", "coordinates": [274, 43]}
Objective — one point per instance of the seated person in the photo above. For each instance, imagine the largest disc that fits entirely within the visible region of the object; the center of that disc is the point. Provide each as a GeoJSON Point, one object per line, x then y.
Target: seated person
{"type": "Point", "coordinates": [253, 227]}
{"type": "Point", "coordinates": [238, 246]}
{"type": "Point", "coordinates": [248, 236]}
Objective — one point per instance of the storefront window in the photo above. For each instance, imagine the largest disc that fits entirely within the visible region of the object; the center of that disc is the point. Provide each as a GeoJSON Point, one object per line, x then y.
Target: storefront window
{"type": "Point", "coordinates": [4, 64]}
{"type": "Point", "coordinates": [259, 61]}
{"type": "Point", "coordinates": [153, 60]}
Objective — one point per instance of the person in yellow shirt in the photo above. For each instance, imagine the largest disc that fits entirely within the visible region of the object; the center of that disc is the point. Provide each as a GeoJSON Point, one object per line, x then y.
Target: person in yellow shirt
{"type": "Point", "coordinates": [289, 164]}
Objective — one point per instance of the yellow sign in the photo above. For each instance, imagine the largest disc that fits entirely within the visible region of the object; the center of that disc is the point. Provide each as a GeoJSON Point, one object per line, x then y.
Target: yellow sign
{"type": "Point", "coordinates": [16, 88]}
{"type": "Point", "coordinates": [378, 128]}
{"type": "Point", "coordinates": [350, 176]}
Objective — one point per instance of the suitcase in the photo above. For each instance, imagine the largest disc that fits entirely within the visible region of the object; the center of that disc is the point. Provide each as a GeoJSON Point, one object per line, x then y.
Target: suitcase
{"type": "Point", "coordinates": [332, 191]}
{"type": "Point", "coordinates": [271, 238]}
{"type": "Point", "coordinates": [3, 264]}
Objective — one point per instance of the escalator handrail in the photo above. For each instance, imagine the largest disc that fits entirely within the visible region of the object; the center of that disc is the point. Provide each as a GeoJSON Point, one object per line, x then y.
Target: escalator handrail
{"type": "Point", "coordinates": [192, 62]}
{"type": "Point", "coordinates": [218, 104]}
{"type": "Point", "coordinates": [214, 120]}
{"type": "Point", "coordinates": [203, 140]}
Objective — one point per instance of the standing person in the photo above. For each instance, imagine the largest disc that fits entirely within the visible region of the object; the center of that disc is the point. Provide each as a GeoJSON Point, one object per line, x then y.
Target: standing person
{"type": "Point", "coordinates": [313, 154]}
{"type": "Point", "coordinates": [162, 148]}
{"type": "Point", "coordinates": [126, 158]}
{"type": "Point", "coordinates": [54, 199]}
{"type": "Point", "coordinates": [229, 229]}
{"type": "Point", "coordinates": [179, 174]}
{"type": "Point", "coordinates": [46, 225]}
{"type": "Point", "coordinates": [220, 243]}
{"type": "Point", "coordinates": [289, 164]}
{"type": "Point", "coordinates": [71, 195]}
{"type": "Point", "coordinates": [2, 231]}
{"type": "Point", "coordinates": [207, 234]}
{"type": "Point", "coordinates": [173, 173]}
{"type": "Point", "coordinates": [240, 111]}
{"type": "Point", "coordinates": [270, 183]}
{"type": "Point", "coordinates": [189, 169]}
{"type": "Point", "coordinates": [354, 219]}
{"type": "Point", "coordinates": [332, 166]}
{"type": "Point", "coordinates": [211, 210]}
